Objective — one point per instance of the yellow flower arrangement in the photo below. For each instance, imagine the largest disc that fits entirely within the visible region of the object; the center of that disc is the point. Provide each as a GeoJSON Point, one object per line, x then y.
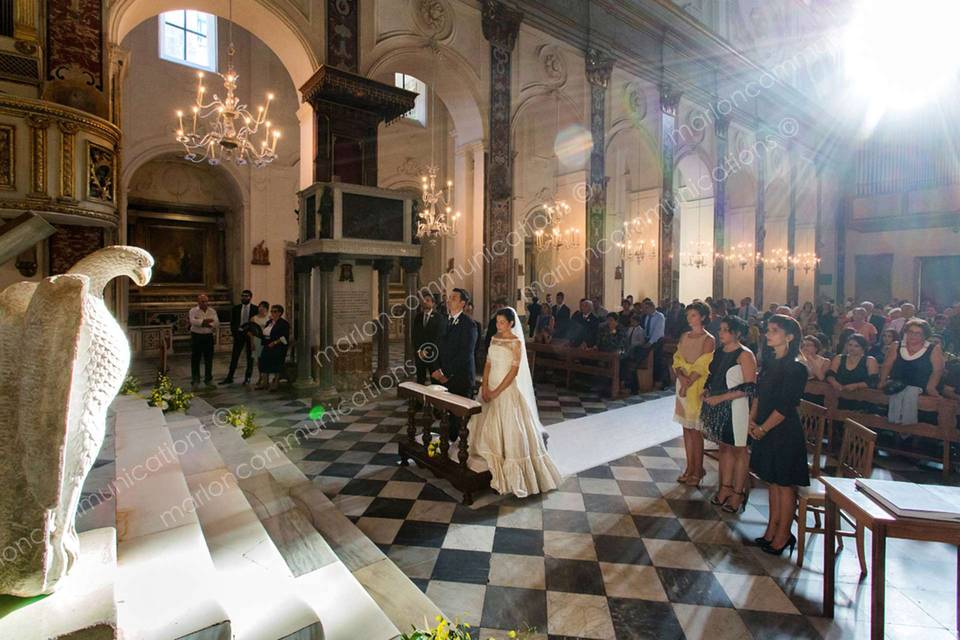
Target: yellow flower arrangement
{"type": "Point", "coordinates": [455, 630]}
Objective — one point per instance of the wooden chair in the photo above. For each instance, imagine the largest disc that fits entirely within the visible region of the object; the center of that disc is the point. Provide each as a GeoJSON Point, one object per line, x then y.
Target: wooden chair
{"type": "Point", "coordinates": [814, 419]}
{"type": "Point", "coordinates": [856, 461]}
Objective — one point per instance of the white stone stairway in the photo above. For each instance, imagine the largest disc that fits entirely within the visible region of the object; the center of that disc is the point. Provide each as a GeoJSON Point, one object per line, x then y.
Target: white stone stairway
{"type": "Point", "coordinates": [210, 547]}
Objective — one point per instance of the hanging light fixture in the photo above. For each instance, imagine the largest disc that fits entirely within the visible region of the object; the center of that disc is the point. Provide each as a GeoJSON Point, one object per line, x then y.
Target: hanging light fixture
{"type": "Point", "coordinates": [741, 255]}
{"type": "Point", "coordinates": [699, 257]}
{"type": "Point", "coordinates": [779, 259]}
{"type": "Point", "coordinates": [436, 219]}
{"type": "Point", "coordinates": [806, 261]}
{"type": "Point", "coordinates": [228, 129]}
{"type": "Point", "coordinates": [551, 236]}
{"type": "Point", "coordinates": [557, 238]}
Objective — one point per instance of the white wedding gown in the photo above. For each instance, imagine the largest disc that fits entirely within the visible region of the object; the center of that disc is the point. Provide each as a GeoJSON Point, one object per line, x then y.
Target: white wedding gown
{"type": "Point", "coordinates": [507, 437]}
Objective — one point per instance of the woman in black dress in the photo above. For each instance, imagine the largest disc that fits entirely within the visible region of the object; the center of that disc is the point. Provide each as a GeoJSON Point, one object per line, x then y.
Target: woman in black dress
{"type": "Point", "coordinates": [854, 370]}
{"type": "Point", "coordinates": [778, 454]}
{"type": "Point", "coordinates": [276, 338]}
{"type": "Point", "coordinates": [725, 412]}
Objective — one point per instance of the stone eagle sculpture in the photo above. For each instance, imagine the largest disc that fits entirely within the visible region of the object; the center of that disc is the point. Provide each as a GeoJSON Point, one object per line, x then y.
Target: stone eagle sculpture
{"type": "Point", "coordinates": [63, 358]}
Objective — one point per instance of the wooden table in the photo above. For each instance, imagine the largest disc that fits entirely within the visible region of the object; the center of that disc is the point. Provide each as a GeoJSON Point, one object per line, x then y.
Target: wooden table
{"type": "Point", "coordinates": [843, 494]}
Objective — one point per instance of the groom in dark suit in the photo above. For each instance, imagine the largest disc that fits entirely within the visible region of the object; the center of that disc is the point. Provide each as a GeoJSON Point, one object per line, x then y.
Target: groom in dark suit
{"type": "Point", "coordinates": [240, 315]}
{"type": "Point", "coordinates": [457, 370]}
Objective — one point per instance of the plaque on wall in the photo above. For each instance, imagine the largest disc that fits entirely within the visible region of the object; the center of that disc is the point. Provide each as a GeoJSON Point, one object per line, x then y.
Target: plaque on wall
{"type": "Point", "coordinates": [7, 146]}
{"type": "Point", "coordinates": [100, 169]}
{"type": "Point", "coordinates": [372, 218]}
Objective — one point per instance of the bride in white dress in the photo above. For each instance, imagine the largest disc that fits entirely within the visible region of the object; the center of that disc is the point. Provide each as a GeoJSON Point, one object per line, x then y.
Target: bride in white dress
{"type": "Point", "coordinates": [507, 437]}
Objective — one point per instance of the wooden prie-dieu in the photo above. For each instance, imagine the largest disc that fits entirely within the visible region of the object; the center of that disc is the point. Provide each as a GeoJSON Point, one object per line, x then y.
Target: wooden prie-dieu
{"type": "Point", "coordinates": [432, 405]}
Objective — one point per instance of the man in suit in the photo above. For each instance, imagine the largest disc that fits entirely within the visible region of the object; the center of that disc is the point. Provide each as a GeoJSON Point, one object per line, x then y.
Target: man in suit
{"type": "Point", "coordinates": [653, 324]}
{"type": "Point", "coordinates": [457, 370]}
{"type": "Point", "coordinates": [240, 315]}
{"type": "Point", "coordinates": [583, 326]}
{"type": "Point", "coordinates": [533, 313]}
{"type": "Point", "coordinates": [428, 327]}
{"type": "Point", "coordinates": [561, 316]}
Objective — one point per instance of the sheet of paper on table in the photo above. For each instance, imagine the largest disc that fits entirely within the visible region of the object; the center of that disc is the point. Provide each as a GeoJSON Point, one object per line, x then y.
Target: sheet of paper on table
{"type": "Point", "coordinates": [910, 500]}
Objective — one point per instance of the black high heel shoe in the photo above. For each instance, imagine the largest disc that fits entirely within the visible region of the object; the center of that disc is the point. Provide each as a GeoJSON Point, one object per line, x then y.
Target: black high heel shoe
{"type": "Point", "coordinates": [740, 508]}
{"type": "Point", "coordinates": [792, 542]}
{"type": "Point", "coordinates": [715, 501]}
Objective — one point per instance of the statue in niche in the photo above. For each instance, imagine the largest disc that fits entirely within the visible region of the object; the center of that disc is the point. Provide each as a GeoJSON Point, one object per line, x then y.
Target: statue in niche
{"type": "Point", "coordinates": [63, 358]}
{"type": "Point", "coordinates": [346, 272]}
{"type": "Point", "coordinates": [261, 254]}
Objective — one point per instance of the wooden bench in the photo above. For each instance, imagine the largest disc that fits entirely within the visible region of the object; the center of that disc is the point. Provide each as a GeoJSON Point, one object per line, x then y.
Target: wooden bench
{"type": "Point", "coordinates": [562, 357]}
{"type": "Point", "coordinates": [432, 405]}
{"type": "Point", "coordinates": [944, 430]}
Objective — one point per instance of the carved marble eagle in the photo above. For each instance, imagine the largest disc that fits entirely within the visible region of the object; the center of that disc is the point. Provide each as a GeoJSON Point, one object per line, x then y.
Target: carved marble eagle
{"type": "Point", "coordinates": [63, 357]}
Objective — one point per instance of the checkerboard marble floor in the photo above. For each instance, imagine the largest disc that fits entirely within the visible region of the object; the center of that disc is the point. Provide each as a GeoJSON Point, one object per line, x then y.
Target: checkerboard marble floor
{"type": "Point", "coordinates": [620, 551]}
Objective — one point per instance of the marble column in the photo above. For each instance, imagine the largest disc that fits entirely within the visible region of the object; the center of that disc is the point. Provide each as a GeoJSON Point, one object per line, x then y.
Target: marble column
{"type": "Point", "coordinates": [721, 125]}
{"type": "Point", "coordinates": [841, 274]}
{"type": "Point", "coordinates": [792, 227]}
{"type": "Point", "coordinates": [500, 27]}
{"type": "Point", "coordinates": [324, 352]}
{"type": "Point", "coordinates": [599, 69]}
{"type": "Point", "coordinates": [411, 280]}
{"type": "Point", "coordinates": [669, 100]}
{"type": "Point", "coordinates": [302, 266]}
{"type": "Point", "coordinates": [383, 267]}
{"type": "Point", "coordinates": [759, 215]}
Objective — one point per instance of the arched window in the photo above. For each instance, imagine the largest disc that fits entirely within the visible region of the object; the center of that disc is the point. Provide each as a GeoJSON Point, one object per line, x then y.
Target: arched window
{"type": "Point", "coordinates": [189, 38]}
{"type": "Point", "coordinates": [419, 111]}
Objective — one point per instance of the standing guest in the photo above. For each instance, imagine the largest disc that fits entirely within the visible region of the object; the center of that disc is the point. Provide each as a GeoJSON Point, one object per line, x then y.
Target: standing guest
{"type": "Point", "coordinates": [771, 310]}
{"type": "Point", "coordinates": [778, 454]}
{"type": "Point", "coordinates": [257, 324]}
{"type": "Point", "coordinates": [561, 314]}
{"type": "Point", "coordinates": [545, 325]}
{"type": "Point", "coordinates": [276, 337]}
{"type": "Point", "coordinates": [492, 323]}
{"type": "Point", "coordinates": [468, 310]}
{"type": "Point", "coordinates": [676, 323]}
{"type": "Point", "coordinates": [533, 312]}
{"type": "Point", "coordinates": [611, 336]}
{"type": "Point", "coordinates": [806, 315]}
{"type": "Point", "coordinates": [634, 353]}
{"type": "Point", "coordinates": [874, 317]}
{"type": "Point", "coordinates": [726, 411]}
{"type": "Point", "coordinates": [827, 321]}
{"type": "Point", "coordinates": [816, 364]}
{"type": "Point", "coordinates": [654, 323]}
{"type": "Point", "coordinates": [428, 327]}
{"type": "Point", "coordinates": [718, 311]}
{"type": "Point", "coordinates": [239, 318]}
{"type": "Point", "coordinates": [442, 307]}
{"type": "Point", "coordinates": [747, 310]}
{"type": "Point", "coordinates": [753, 334]}
{"type": "Point", "coordinates": [583, 326]}
{"type": "Point", "coordinates": [549, 301]}
{"type": "Point", "coordinates": [598, 309]}
{"type": "Point", "coordinates": [860, 325]}
{"type": "Point", "coordinates": [203, 322]}
{"type": "Point", "coordinates": [626, 312]}
{"type": "Point", "coordinates": [907, 312]}
{"type": "Point", "coordinates": [951, 337]}
{"type": "Point", "coordinates": [691, 364]}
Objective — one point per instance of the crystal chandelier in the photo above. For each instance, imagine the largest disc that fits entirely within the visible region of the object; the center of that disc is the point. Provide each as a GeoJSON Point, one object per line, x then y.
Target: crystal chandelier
{"type": "Point", "coordinates": [556, 238]}
{"type": "Point", "coordinates": [806, 261]}
{"type": "Point", "coordinates": [741, 255]}
{"type": "Point", "coordinates": [230, 128]}
{"type": "Point", "coordinates": [639, 250]}
{"type": "Point", "coordinates": [780, 260]}
{"type": "Point", "coordinates": [437, 218]}
{"type": "Point", "coordinates": [699, 258]}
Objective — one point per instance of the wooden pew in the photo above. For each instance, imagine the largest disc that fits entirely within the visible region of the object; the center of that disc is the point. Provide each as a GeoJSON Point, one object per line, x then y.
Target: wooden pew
{"type": "Point", "coordinates": [944, 430]}
{"type": "Point", "coordinates": [433, 405]}
{"type": "Point", "coordinates": [562, 357]}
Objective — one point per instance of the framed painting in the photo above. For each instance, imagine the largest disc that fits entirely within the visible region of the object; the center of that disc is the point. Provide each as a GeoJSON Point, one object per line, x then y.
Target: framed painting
{"type": "Point", "coordinates": [100, 173]}
{"type": "Point", "coordinates": [178, 252]}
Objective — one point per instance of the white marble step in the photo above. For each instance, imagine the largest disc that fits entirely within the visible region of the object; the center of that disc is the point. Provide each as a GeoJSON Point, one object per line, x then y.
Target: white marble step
{"type": "Point", "coordinates": [256, 586]}
{"type": "Point", "coordinates": [166, 581]}
{"type": "Point", "coordinates": [345, 607]}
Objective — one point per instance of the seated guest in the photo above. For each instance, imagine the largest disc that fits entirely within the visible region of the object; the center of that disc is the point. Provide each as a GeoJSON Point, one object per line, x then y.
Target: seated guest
{"type": "Point", "coordinates": [718, 311]}
{"type": "Point", "coordinates": [907, 312]}
{"type": "Point", "coordinates": [611, 336]}
{"type": "Point", "coordinates": [887, 338]}
{"type": "Point", "coordinates": [747, 310]}
{"type": "Point", "coordinates": [874, 317]}
{"type": "Point", "coordinates": [852, 370]}
{"type": "Point", "coordinates": [911, 370]}
{"type": "Point", "coordinates": [806, 315]}
{"type": "Point", "coordinates": [810, 357]}
{"type": "Point", "coordinates": [633, 354]}
{"type": "Point", "coordinates": [546, 324]}
{"type": "Point", "coordinates": [598, 309]}
{"type": "Point", "coordinates": [583, 326]}
{"type": "Point", "coordinates": [860, 325]}
{"type": "Point", "coordinates": [276, 337]}
{"type": "Point", "coordinates": [951, 380]}
{"type": "Point", "coordinates": [561, 315]}
{"type": "Point", "coordinates": [778, 454]}
{"type": "Point", "coordinates": [626, 312]}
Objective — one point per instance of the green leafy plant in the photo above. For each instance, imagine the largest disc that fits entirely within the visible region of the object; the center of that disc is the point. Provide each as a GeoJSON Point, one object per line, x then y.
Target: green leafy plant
{"type": "Point", "coordinates": [168, 397]}
{"type": "Point", "coordinates": [456, 630]}
{"type": "Point", "coordinates": [130, 386]}
{"type": "Point", "coordinates": [243, 419]}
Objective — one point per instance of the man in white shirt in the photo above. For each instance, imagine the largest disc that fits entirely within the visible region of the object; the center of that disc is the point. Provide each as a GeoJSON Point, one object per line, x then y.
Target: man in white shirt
{"type": "Point", "coordinates": [203, 322]}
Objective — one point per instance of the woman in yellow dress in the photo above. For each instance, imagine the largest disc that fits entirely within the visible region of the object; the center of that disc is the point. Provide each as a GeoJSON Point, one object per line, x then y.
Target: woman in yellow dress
{"type": "Point", "coordinates": [691, 365]}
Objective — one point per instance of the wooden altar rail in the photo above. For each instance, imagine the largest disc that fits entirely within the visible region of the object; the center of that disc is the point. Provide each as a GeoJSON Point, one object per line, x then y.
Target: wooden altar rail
{"type": "Point", "coordinates": [945, 429]}
{"type": "Point", "coordinates": [562, 357]}
{"type": "Point", "coordinates": [442, 404]}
